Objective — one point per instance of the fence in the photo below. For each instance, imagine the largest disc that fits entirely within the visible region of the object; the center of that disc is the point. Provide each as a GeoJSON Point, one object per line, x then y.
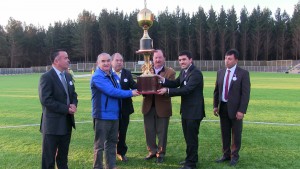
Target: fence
{"type": "Point", "coordinates": [203, 65]}
{"type": "Point", "coordinates": [4, 71]}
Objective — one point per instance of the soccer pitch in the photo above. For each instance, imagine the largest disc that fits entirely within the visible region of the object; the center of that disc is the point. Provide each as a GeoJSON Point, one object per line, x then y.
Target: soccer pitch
{"type": "Point", "coordinates": [271, 130]}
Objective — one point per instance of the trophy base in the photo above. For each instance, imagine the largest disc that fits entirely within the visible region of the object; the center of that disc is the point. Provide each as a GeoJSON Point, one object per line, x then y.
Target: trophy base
{"type": "Point", "coordinates": [147, 84]}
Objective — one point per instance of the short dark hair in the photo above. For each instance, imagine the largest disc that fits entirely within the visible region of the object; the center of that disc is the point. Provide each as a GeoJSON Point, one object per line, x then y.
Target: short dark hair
{"type": "Point", "coordinates": [55, 53]}
{"type": "Point", "coordinates": [157, 50]}
{"type": "Point", "coordinates": [187, 53]}
{"type": "Point", "coordinates": [233, 52]}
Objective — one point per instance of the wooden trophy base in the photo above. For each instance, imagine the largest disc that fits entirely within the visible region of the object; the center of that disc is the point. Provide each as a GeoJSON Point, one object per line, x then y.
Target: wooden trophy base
{"type": "Point", "coordinates": [147, 84]}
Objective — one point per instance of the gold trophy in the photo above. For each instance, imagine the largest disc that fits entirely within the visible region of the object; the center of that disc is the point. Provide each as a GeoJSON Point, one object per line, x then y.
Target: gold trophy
{"type": "Point", "coordinates": [147, 83]}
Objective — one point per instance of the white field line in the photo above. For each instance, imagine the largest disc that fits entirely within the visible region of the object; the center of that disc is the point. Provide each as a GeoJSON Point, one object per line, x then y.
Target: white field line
{"type": "Point", "coordinates": [84, 75]}
{"type": "Point", "coordinates": [172, 120]}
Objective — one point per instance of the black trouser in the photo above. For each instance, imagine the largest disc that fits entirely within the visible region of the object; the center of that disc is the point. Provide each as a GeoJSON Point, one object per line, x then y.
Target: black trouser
{"type": "Point", "coordinates": [191, 130]}
{"type": "Point", "coordinates": [123, 126]}
{"type": "Point", "coordinates": [230, 128]}
{"type": "Point", "coordinates": [55, 148]}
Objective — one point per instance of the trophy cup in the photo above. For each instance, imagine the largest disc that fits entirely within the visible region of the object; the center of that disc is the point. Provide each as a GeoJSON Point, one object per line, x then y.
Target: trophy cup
{"type": "Point", "coordinates": [147, 83]}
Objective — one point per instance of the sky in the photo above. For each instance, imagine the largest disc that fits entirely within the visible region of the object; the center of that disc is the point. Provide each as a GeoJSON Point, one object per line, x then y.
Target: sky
{"type": "Point", "coordinates": [45, 12]}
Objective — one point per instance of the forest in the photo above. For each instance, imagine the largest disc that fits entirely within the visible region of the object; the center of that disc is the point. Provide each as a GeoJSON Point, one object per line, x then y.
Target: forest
{"type": "Point", "coordinates": [258, 34]}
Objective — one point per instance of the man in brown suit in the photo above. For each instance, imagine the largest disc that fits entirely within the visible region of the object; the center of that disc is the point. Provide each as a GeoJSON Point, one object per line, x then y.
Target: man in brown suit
{"type": "Point", "coordinates": [157, 110]}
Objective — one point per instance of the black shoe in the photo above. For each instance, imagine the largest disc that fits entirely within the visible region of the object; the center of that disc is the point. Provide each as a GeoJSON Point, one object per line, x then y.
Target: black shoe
{"type": "Point", "coordinates": [221, 160]}
{"type": "Point", "coordinates": [182, 163]}
{"type": "Point", "coordinates": [150, 156]}
{"type": "Point", "coordinates": [233, 162]}
{"type": "Point", "coordinates": [122, 157]}
{"type": "Point", "coordinates": [159, 160]}
{"type": "Point", "coordinates": [187, 167]}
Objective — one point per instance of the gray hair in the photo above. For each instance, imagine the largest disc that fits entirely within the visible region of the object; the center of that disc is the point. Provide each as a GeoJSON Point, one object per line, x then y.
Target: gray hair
{"type": "Point", "coordinates": [103, 54]}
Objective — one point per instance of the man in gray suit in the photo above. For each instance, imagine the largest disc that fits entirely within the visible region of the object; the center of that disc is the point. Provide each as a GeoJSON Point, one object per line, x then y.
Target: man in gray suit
{"type": "Point", "coordinates": [231, 98]}
{"type": "Point", "coordinates": [59, 104]}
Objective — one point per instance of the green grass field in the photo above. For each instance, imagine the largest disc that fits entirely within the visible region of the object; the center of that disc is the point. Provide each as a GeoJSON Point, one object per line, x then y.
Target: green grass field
{"type": "Point", "coordinates": [271, 133]}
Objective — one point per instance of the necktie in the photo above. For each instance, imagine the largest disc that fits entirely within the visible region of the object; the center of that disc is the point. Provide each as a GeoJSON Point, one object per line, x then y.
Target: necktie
{"type": "Point", "coordinates": [119, 74]}
{"type": "Point", "coordinates": [226, 85]}
{"type": "Point", "coordinates": [64, 83]}
{"type": "Point", "coordinates": [184, 74]}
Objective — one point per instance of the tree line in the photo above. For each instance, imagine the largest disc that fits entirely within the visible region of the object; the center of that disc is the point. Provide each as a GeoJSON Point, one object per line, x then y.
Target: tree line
{"type": "Point", "coordinates": [257, 35]}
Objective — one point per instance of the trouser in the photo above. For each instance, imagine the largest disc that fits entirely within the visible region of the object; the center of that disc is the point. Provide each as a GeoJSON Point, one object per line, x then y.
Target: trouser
{"type": "Point", "coordinates": [190, 131]}
{"type": "Point", "coordinates": [156, 126]}
{"type": "Point", "coordinates": [230, 128]}
{"type": "Point", "coordinates": [123, 126]}
{"type": "Point", "coordinates": [55, 148]}
{"type": "Point", "coordinates": [106, 138]}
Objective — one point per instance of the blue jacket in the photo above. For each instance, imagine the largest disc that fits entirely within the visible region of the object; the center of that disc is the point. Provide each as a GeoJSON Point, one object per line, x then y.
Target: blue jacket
{"type": "Point", "coordinates": [106, 98]}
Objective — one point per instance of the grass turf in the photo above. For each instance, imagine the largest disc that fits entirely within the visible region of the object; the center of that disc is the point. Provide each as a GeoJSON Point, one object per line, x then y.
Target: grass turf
{"type": "Point", "coordinates": [274, 99]}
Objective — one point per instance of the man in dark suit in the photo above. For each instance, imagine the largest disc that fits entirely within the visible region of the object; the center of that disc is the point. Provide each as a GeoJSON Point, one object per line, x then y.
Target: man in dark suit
{"type": "Point", "coordinates": [190, 81]}
{"type": "Point", "coordinates": [231, 98]}
{"type": "Point", "coordinates": [157, 110]}
{"type": "Point", "coordinates": [127, 83]}
{"type": "Point", "coordinates": [59, 104]}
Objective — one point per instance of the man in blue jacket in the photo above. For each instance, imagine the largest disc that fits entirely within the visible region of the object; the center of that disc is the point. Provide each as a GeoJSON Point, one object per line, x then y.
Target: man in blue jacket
{"type": "Point", "coordinates": [106, 103]}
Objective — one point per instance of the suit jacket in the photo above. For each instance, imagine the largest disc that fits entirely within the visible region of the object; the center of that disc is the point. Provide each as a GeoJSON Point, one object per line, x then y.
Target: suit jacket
{"type": "Point", "coordinates": [191, 92]}
{"type": "Point", "coordinates": [238, 93]}
{"type": "Point", "coordinates": [55, 118]}
{"type": "Point", "coordinates": [127, 83]}
{"type": "Point", "coordinates": [162, 103]}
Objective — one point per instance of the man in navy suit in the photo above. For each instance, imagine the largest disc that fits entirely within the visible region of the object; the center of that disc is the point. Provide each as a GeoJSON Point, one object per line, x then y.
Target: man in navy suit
{"type": "Point", "coordinates": [231, 98]}
{"type": "Point", "coordinates": [190, 83]}
{"type": "Point", "coordinates": [127, 83]}
{"type": "Point", "coordinates": [59, 104]}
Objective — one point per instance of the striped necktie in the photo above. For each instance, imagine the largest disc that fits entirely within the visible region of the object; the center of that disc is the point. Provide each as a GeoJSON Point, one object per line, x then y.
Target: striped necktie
{"type": "Point", "coordinates": [64, 83]}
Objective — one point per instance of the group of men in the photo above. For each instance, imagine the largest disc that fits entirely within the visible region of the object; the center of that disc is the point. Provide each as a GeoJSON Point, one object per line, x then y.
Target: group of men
{"type": "Point", "coordinates": [112, 87]}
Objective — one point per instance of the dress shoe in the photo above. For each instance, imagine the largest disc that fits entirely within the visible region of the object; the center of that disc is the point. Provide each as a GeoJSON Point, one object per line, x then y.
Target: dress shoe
{"type": "Point", "coordinates": [150, 156]}
{"type": "Point", "coordinates": [159, 160]}
{"type": "Point", "coordinates": [233, 162]}
{"type": "Point", "coordinates": [122, 157]}
{"type": "Point", "coordinates": [182, 163]}
{"type": "Point", "coordinates": [187, 167]}
{"type": "Point", "coordinates": [222, 159]}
